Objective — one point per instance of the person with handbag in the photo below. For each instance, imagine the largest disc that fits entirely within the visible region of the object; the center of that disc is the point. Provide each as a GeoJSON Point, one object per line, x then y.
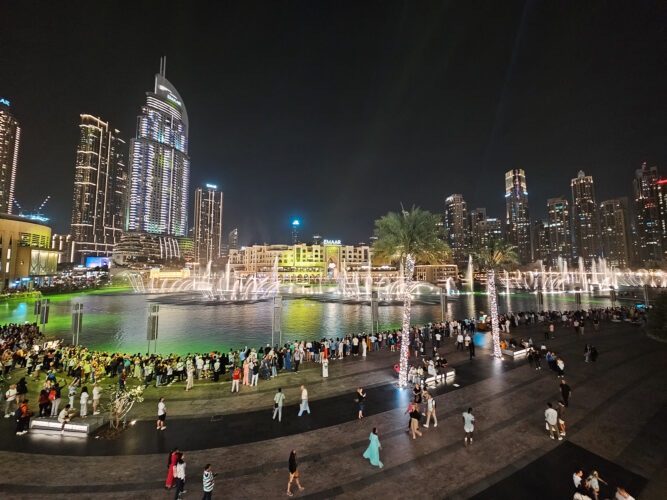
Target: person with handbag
{"type": "Point", "coordinates": [293, 473]}
{"type": "Point", "coordinates": [278, 401]}
{"type": "Point", "coordinates": [179, 475]}
{"type": "Point", "coordinates": [361, 401]}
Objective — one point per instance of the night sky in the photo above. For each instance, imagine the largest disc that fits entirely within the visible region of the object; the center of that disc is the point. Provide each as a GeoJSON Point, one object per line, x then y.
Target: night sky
{"type": "Point", "coordinates": [336, 112]}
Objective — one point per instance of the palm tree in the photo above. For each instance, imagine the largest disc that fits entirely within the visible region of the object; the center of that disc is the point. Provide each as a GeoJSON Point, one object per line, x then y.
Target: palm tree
{"type": "Point", "coordinates": [405, 238]}
{"type": "Point", "coordinates": [497, 255]}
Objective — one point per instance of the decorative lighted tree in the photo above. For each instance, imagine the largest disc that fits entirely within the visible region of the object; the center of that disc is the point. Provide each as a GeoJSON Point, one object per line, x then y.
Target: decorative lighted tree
{"type": "Point", "coordinates": [121, 402]}
{"type": "Point", "coordinates": [496, 256]}
{"type": "Point", "coordinates": [405, 238]}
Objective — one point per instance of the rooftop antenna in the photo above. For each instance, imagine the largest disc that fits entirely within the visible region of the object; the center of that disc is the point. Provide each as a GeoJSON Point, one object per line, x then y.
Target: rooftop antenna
{"type": "Point", "coordinates": [163, 66]}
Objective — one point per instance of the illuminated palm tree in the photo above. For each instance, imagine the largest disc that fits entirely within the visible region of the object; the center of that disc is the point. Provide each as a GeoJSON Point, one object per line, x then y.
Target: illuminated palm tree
{"type": "Point", "coordinates": [496, 256]}
{"type": "Point", "coordinates": [405, 238]}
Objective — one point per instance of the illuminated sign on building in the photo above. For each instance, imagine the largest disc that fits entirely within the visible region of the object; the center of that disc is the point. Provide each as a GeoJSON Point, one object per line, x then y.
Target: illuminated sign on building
{"type": "Point", "coordinates": [4, 101]}
{"type": "Point", "coordinates": [211, 186]}
{"type": "Point", "coordinates": [332, 242]}
{"type": "Point", "coordinates": [171, 98]}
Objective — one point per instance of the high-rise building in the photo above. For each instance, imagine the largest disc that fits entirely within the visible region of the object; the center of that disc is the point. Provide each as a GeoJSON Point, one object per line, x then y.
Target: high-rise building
{"type": "Point", "coordinates": [159, 163]}
{"type": "Point", "coordinates": [613, 237]}
{"type": "Point", "coordinates": [584, 218]}
{"type": "Point", "coordinates": [541, 241]}
{"type": "Point", "coordinates": [208, 224]}
{"type": "Point", "coordinates": [10, 139]}
{"type": "Point", "coordinates": [517, 216]}
{"type": "Point", "coordinates": [662, 196]}
{"type": "Point", "coordinates": [233, 239]}
{"type": "Point", "coordinates": [100, 189]}
{"type": "Point", "coordinates": [478, 230]}
{"type": "Point", "coordinates": [456, 224]}
{"type": "Point", "coordinates": [494, 228]}
{"type": "Point", "coordinates": [295, 231]}
{"type": "Point", "coordinates": [647, 214]}
{"type": "Point", "coordinates": [560, 234]}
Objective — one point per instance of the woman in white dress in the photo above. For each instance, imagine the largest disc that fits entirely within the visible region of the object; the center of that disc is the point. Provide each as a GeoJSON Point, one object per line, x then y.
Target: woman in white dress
{"type": "Point", "coordinates": [84, 402]}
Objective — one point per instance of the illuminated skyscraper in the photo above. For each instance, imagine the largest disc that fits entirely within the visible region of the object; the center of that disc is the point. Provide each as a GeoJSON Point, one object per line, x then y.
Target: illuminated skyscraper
{"type": "Point", "coordinates": [233, 239]}
{"type": "Point", "coordinates": [456, 224]}
{"type": "Point", "coordinates": [159, 163]}
{"type": "Point", "coordinates": [295, 231]}
{"type": "Point", "coordinates": [100, 189]}
{"type": "Point", "coordinates": [584, 218]}
{"type": "Point", "coordinates": [541, 241]}
{"type": "Point", "coordinates": [10, 139]}
{"type": "Point", "coordinates": [208, 224]}
{"type": "Point", "coordinates": [613, 237]}
{"type": "Point", "coordinates": [478, 229]}
{"type": "Point", "coordinates": [560, 234]}
{"type": "Point", "coordinates": [517, 217]}
{"type": "Point", "coordinates": [662, 196]}
{"type": "Point", "coordinates": [647, 214]}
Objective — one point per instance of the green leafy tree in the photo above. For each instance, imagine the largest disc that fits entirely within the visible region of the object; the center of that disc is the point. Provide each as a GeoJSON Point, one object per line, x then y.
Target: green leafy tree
{"type": "Point", "coordinates": [404, 238]}
{"type": "Point", "coordinates": [498, 255]}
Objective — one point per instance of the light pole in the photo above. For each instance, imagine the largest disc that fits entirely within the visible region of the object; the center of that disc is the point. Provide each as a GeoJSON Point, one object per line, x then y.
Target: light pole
{"type": "Point", "coordinates": [77, 319]}
{"type": "Point", "coordinates": [152, 327]}
{"type": "Point", "coordinates": [276, 319]}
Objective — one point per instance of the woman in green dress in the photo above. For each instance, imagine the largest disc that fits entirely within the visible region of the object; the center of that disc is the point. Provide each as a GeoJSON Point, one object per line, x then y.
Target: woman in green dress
{"type": "Point", "coordinates": [373, 451]}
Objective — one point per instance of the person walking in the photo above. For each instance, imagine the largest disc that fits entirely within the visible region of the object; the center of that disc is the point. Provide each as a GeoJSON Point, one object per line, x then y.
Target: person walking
{"type": "Point", "coordinates": [551, 418]}
{"type": "Point", "coordinates": [293, 472]}
{"type": "Point", "coordinates": [361, 401]}
{"type": "Point", "coordinates": [236, 377]}
{"type": "Point", "coordinates": [372, 453]}
{"type": "Point", "coordinates": [255, 374]}
{"type": "Point", "coordinates": [561, 417]}
{"type": "Point", "coordinates": [278, 401]}
{"type": "Point", "coordinates": [565, 391]}
{"type": "Point", "coordinates": [246, 372]}
{"type": "Point", "coordinates": [325, 368]}
{"type": "Point", "coordinates": [96, 398]}
{"type": "Point", "coordinates": [171, 463]}
{"type": "Point", "coordinates": [594, 483]}
{"type": "Point", "coordinates": [161, 414]}
{"type": "Point", "coordinates": [430, 411]}
{"type": "Point", "coordinates": [179, 474]}
{"type": "Point", "coordinates": [415, 415]}
{"type": "Point", "coordinates": [560, 364]}
{"type": "Point", "coordinates": [468, 426]}
{"type": "Point", "coordinates": [10, 401]}
{"type": "Point", "coordinates": [191, 378]}
{"type": "Point", "coordinates": [208, 481]}
{"type": "Point", "coordinates": [83, 401]}
{"type": "Point", "coordinates": [304, 401]}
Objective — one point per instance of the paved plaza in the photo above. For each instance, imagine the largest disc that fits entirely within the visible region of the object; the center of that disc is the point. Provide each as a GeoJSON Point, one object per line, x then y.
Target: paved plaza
{"type": "Point", "coordinates": [614, 421]}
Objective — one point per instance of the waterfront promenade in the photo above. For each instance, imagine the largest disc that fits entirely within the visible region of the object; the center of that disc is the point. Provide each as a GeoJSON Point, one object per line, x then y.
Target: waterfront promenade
{"type": "Point", "coordinates": [614, 425]}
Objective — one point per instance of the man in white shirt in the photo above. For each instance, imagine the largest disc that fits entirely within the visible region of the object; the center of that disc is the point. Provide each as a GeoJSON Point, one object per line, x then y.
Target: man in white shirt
{"type": "Point", "coordinates": [278, 401]}
{"type": "Point", "coordinates": [430, 411]}
{"type": "Point", "coordinates": [459, 341]}
{"type": "Point", "coordinates": [468, 426]}
{"type": "Point", "coordinates": [161, 415]}
{"type": "Point", "coordinates": [64, 417]}
{"type": "Point", "coordinates": [576, 478]}
{"type": "Point", "coordinates": [10, 400]}
{"type": "Point", "coordinates": [304, 401]}
{"type": "Point", "coordinates": [551, 418]}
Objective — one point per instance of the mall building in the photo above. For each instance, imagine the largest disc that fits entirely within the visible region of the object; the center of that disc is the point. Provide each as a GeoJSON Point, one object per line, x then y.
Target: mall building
{"type": "Point", "coordinates": [26, 256]}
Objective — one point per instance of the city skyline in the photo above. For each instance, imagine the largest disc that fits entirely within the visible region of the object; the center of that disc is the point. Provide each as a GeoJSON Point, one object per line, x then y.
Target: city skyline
{"type": "Point", "coordinates": [259, 116]}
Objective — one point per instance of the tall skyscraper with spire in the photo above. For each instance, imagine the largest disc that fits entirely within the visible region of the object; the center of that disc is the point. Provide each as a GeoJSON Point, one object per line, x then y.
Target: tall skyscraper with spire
{"type": "Point", "coordinates": [100, 189]}
{"type": "Point", "coordinates": [10, 139]}
{"type": "Point", "coordinates": [159, 163]}
{"type": "Point", "coordinates": [585, 218]}
{"type": "Point", "coordinates": [517, 217]}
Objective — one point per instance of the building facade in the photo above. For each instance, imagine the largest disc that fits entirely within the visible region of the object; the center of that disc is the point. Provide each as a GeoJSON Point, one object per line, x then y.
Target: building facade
{"type": "Point", "coordinates": [517, 216]}
{"type": "Point", "coordinates": [25, 252]}
{"type": "Point", "coordinates": [208, 224]}
{"type": "Point", "coordinates": [584, 218]}
{"type": "Point", "coordinates": [456, 225]}
{"type": "Point", "coordinates": [560, 234]}
{"type": "Point", "coordinates": [159, 163]}
{"type": "Point", "coordinates": [649, 237]}
{"type": "Point", "coordinates": [613, 237]}
{"type": "Point", "coordinates": [662, 196]}
{"type": "Point", "coordinates": [541, 241]}
{"type": "Point", "coordinates": [65, 246]}
{"type": "Point", "coordinates": [10, 139]}
{"type": "Point", "coordinates": [100, 189]}
{"type": "Point", "coordinates": [139, 249]}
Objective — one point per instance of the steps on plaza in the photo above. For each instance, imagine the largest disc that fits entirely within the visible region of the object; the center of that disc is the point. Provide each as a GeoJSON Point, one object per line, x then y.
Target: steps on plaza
{"type": "Point", "coordinates": [77, 427]}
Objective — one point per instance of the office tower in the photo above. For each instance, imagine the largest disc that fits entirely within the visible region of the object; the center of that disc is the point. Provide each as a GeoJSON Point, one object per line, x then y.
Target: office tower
{"type": "Point", "coordinates": [560, 234]}
{"type": "Point", "coordinates": [647, 214]}
{"type": "Point", "coordinates": [494, 229]}
{"type": "Point", "coordinates": [208, 224]}
{"type": "Point", "coordinates": [159, 163]}
{"type": "Point", "coordinates": [541, 241]}
{"type": "Point", "coordinates": [584, 218]}
{"type": "Point", "coordinates": [100, 189]}
{"type": "Point", "coordinates": [613, 237]}
{"type": "Point", "coordinates": [295, 231]}
{"type": "Point", "coordinates": [10, 139]}
{"type": "Point", "coordinates": [662, 197]}
{"type": "Point", "coordinates": [517, 217]}
{"type": "Point", "coordinates": [233, 239]}
{"type": "Point", "coordinates": [478, 230]}
{"type": "Point", "coordinates": [456, 224]}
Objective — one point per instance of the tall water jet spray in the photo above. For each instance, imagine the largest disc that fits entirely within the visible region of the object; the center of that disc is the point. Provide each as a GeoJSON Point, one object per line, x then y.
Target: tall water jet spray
{"type": "Point", "coordinates": [469, 275]}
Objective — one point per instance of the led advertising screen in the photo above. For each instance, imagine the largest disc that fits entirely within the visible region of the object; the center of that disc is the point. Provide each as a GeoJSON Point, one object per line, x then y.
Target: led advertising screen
{"type": "Point", "coordinates": [92, 262]}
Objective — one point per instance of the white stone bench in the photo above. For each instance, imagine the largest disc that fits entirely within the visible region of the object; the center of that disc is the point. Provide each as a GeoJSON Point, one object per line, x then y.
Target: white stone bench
{"type": "Point", "coordinates": [449, 376]}
{"type": "Point", "coordinates": [516, 353]}
{"type": "Point", "coordinates": [76, 427]}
